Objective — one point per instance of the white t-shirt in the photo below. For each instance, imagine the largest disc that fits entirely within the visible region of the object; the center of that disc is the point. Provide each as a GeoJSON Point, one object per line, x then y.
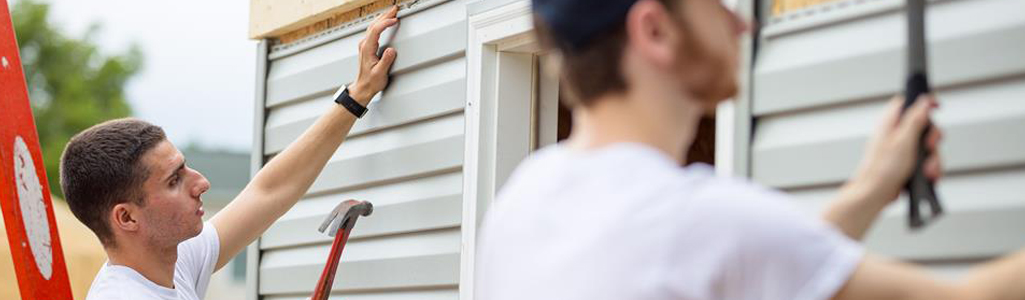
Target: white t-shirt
{"type": "Point", "coordinates": [626, 222]}
{"type": "Point", "coordinates": [197, 258]}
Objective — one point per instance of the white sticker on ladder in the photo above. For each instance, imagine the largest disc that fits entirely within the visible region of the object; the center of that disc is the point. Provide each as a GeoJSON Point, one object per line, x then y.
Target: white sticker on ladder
{"type": "Point", "coordinates": [33, 209]}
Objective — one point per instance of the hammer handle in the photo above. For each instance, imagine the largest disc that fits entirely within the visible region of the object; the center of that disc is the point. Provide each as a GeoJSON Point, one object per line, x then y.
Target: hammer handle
{"type": "Point", "coordinates": [918, 186]}
{"type": "Point", "coordinates": [327, 277]}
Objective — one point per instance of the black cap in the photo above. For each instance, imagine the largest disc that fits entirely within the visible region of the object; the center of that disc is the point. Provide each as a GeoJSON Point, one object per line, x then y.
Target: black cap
{"type": "Point", "coordinates": [574, 23]}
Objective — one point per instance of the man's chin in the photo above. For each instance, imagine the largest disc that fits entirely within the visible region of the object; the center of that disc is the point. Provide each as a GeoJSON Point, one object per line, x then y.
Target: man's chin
{"type": "Point", "coordinates": [718, 93]}
{"type": "Point", "coordinates": [729, 92]}
{"type": "Point", "coordinates": [196, 229]}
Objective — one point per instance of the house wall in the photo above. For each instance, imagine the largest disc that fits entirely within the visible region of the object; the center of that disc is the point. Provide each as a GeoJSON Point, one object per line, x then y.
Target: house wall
{"type": "Point", "coordinates": [405, 156]}
{"type": "Point", "coordinates": [821, 78]}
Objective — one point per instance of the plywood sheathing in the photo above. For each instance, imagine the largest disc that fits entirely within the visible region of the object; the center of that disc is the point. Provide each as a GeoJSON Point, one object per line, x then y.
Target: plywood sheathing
{"type": "Point", "coordinates": [338, 20]}
{"type": "Point", "coordinates": [289, 20]}
{"type": "Point", "coordinates": [271, 18]}
{"type": "Point", "coordinates": [780, 7]}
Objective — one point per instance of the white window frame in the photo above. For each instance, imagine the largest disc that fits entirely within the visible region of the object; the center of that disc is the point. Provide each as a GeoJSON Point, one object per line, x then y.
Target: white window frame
{"type": "Point", "coordinates": [501, 71]}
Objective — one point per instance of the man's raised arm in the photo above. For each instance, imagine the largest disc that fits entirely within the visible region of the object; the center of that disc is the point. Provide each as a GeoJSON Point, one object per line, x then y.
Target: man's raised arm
{"type": "Point", "coordinates": [287, 177]}
{"type": "Point", "coordinates": [878, 279]}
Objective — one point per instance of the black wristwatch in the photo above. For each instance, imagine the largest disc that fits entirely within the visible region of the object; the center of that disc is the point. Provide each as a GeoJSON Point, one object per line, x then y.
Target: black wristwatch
{"type": "Point", "coordinates": [342, 98]}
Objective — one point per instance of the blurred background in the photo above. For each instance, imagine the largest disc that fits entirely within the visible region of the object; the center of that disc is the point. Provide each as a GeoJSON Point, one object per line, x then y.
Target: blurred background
{"type": "Point", "coordinates": [187, 66]}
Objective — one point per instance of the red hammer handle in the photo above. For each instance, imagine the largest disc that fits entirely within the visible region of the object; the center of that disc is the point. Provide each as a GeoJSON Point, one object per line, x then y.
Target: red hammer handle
{"type": "Point", "coordinates": [327, 277]}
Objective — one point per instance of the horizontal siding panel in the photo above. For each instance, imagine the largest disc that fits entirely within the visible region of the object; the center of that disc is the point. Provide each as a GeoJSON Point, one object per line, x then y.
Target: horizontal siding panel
{"type": "Point", "coordinates": [427, 93]}
{"type": "Point", "coordinates": [966, 147]}
{"type": "Point", "coordinates": [424, 214]}
{"type": "Point", "coordinates": [984, 214]}
{"type": "Point", "coordinates": [422, 38]}
{"type": "Point", "coordinates": [864, 58]}
{"type": "Point", "coordinates": [983, 127]}
{"type": "Point", "coordinates": [431, 294]}
{"type": "Point", "coordinates": [394, 165]}
{"type": "Point", "coordinates": [395, 137]}
{"type": "Point", "coordinates": [410, 190]}
{"type": "Point", "coordinates": [433, 75]}
{"type": "Point", "coordinates": [316, 207]}
{"type": "Point", "coordinates": [417, 133]}
{"type": "Point", "coordinates": [368, 249]}
{"type": "Point", "coordinates": [961, 234]}
{"type": "Point", "coordinates": [437, 270]}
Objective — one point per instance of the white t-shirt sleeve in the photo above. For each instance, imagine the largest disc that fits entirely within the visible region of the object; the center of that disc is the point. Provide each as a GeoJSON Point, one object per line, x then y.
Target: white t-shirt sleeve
{"type": "Point", "coordinates": [775, 251]}
{"type": "Point", "coordinates": [197, 258]}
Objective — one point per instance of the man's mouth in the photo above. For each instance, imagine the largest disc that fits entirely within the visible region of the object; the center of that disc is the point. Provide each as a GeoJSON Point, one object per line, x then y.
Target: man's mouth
{"type": "Point", "coordinates": [200, 212]}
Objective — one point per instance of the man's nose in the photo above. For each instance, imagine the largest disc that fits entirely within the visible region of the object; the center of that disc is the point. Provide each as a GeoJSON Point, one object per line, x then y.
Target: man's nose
{"type": "Point", "coordinates": [741, 25]}
{"type": "Point", "coordinates": [201, 186]}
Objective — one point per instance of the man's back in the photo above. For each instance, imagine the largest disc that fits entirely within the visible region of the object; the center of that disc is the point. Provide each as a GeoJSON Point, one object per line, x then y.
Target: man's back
{"type": "Point", "coordinates": [624, 222]}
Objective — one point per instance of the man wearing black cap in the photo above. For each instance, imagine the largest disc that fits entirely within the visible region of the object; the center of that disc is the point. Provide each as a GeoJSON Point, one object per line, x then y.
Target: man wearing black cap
{"type": "Point", "coordinates": [609, 214]}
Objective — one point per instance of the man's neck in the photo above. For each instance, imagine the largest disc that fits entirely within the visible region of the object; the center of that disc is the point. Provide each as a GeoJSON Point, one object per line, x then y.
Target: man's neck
{"type": "Point", "coordinates": [154, 263]}
{"type": "Point", "coordinates": [664, 121]}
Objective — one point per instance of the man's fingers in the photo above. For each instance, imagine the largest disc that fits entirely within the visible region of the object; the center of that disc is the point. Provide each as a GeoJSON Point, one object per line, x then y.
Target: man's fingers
{"type": "Point", "coordinates": [891, 114]}
{"type": "Point", "coordinates": [916, 117]}
{"type": "Point", "coordinates": [391, 13]}
{"type": "Point", "coordinates": [893, 110]}
{"type": "Point", "coordinates": [386, 61]}
{"type": "Point", "coordinates": [374, 33]}
{"type": "Point", "coordinates": [934, 138]}
{"type": "Point", "coordinates": [933, 166]}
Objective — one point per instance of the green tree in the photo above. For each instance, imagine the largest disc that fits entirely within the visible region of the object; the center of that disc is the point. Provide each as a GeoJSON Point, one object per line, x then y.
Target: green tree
{"type": "Point", "coordinates": [71, 84]}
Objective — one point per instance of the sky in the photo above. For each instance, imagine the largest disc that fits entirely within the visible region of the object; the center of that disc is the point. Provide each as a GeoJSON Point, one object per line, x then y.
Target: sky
{"type": "Point", "coordinates": [199, 66]}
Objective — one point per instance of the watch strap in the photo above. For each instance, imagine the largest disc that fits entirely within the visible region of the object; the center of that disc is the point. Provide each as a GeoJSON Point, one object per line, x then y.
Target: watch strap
{"type": "Point", "coordinates": [342, 98]}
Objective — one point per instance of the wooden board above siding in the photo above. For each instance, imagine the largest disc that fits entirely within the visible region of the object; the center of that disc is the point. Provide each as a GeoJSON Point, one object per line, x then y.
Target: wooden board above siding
{"type": "Point", "coordinates": [781, 7]}
{"type": "Point", "coordinates": [277, 18]}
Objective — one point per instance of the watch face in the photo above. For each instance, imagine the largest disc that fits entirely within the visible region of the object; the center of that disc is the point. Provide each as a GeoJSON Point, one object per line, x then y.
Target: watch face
{"type": "Point", "coordinates": [33, 209]}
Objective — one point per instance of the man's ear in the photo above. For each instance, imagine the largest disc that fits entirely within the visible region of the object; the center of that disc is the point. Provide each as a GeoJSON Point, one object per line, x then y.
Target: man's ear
{"type": "Point", "coordinates": [125, 217]}
{"type": "Point", "coordinates": [653, 33]}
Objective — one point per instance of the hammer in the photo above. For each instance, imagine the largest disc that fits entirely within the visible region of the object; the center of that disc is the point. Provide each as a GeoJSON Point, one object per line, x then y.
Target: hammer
{"type": "Point", "coordinates": [343, 218]}
{"type": "Point", "coordinates": [920, 189]}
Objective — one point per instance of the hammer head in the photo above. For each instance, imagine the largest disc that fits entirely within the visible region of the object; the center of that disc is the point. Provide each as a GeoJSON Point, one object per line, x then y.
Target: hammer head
{"type": "Point", "coordinates": [345, 214]}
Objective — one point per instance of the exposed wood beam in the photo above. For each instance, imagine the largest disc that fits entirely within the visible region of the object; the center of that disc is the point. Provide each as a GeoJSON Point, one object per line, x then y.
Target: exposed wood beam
{"type": "Point", "coordinates": [274, 18]}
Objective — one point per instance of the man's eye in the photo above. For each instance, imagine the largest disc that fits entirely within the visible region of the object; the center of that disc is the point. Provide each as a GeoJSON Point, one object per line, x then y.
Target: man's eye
{"type": "Point", "coordinates": [175, 181]}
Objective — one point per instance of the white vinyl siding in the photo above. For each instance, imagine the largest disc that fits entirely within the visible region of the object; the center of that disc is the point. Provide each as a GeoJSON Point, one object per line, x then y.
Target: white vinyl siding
{"type": "Point", "coordinates": [405, 156]}
{"type": "Point", "coordinates": [821, 79]}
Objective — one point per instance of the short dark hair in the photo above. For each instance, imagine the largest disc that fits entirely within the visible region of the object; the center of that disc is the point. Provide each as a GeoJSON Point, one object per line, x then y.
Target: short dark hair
{"type": "Point", "coordinates": [101, 168]}
{"type": "Point", "coordinates": [593, 70]}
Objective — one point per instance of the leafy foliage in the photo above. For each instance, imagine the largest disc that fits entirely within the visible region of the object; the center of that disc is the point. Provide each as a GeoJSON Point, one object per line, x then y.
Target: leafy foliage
{"type": "Point", "coordinates": [71, 84]}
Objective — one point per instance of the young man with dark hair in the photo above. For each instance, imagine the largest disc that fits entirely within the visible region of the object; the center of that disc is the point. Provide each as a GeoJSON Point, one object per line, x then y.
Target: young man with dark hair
{"type": "Point", "coordinates": [128, 183]}
{"type": "Point", "coordinates": [610, 214]}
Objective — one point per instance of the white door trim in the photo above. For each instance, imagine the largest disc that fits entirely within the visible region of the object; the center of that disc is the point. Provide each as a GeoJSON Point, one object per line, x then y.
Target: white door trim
{"type": "Point", "coordinates": [489, 34]}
